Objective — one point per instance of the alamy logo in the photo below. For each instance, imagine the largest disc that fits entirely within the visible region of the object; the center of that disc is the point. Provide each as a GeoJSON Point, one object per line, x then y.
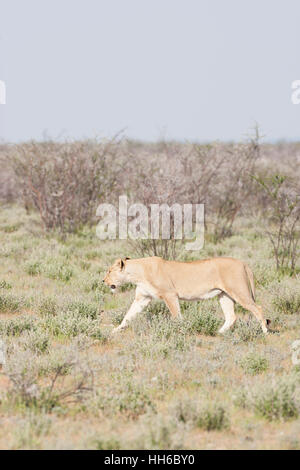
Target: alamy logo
{"type": "Point", "coordinates": [2, 92]}
{"type": "Point", "coordinates": [137, 221]}
{"type": "Point", "coordinates": [296, 352]}
{"type": "Point", "coordinates": [296, 93]}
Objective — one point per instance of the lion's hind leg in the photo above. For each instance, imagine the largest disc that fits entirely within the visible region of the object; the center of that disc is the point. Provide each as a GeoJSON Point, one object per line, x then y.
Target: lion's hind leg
{"type": "Point", "coordinates": [227, 305]}
{"type": "Point", "coordinates": [248, 303]}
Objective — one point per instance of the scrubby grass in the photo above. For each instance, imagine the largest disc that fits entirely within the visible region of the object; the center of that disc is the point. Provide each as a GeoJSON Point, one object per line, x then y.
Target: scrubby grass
{"type": "Point", "coordinates": [210, 417]}
{"type": "Point", "coordinates": [255, 364]}
{"type": "Point", "coordinates": [277, 402]}
{"type": "Point", "coordinates": [11, 303]}
{"type": "Point", "coordinates": [16, 326]}
{"type": "Point", "coordinates": [287, 298]}
{"type": "Point", "coordinates": [202, 319]}
{"type": "Point", "coordinates": [160, 384]}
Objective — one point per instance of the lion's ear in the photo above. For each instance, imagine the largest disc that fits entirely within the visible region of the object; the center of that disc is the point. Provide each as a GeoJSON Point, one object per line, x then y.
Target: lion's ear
{"type": "Point", "coordinates": [121, 263]}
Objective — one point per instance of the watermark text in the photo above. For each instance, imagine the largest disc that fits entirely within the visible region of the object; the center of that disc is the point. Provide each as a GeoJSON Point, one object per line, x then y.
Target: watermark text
{"type": "Point", "coordinates": [295, 97]}
{"type": "Point", "coordinates": [156, 221]}
{"type": "Point", "coordinates": [2, 92]}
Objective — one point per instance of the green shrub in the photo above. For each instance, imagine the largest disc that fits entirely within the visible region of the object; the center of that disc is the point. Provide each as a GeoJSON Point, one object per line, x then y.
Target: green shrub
{"type": "Point", "coordinates": [128, 399]}
{"type": "Point", "coordinates": [90, 255]}
{"type": "Point", "coordinates": [160, 432]}
{"type": "Point", "coordinates": [17, 326]}
{"type": "Point", "coordinates": [37, 342]}
{"type": "Point", "coordinates": [212, 418]}
{"type": "Point", "coordinates": [161, 336]}
{"type": "Point", "coordinates": [156, 308]}
{"type": "Point", "coordinates": [47, 306]}
{"type": "Point", "coordinates": [109, 444]}
{"type": "Point", "coordinates": [287, 301]}
{"type": "Point", "coordinates": [5, 285]}
{"type": "Point", "coordinates": [94, 284]}
{"type": "Point", "coordinates": [255, 364]}
{"type": "Point", "coordinates": [209, 417]}
{"type": "Point", "coordinates": [10, 228]}
{"type": "Point", "coordinates": [11, 303]}
{"type": "Point", "coordinates": [70, 324]}
{"type": "Point", "coordinates": [84, 265]}
{"type": "Point", "coordinates": [83, 309]}
{"type": "Point", "coordinates": [59, 272]}
{"type": "Point", "coordinates": [241, 399]}
{"type": "Point", "coordinates": [127, 286]}
{"type": "Point", "coordinates": [185, 411]}
{"type": "Point", "coordinates": [31, 430]}
{"type": "Point", "coordinates": [246, 331]}
{"type": "Point", "coordinates": [277, 401]}
{"type": "Point", "coordinates": [264, 274]}
{"type": "Point", "coordinates": [33, 268]}
{"type": "Point", "coordinates": [203, 321]}
{"type": "Point", "coordinates": [116, 317]}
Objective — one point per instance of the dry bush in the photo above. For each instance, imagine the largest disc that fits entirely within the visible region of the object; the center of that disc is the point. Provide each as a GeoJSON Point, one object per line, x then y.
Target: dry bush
{"type": "Point", "coordinates": [69, 380]}
{"type": "Point", "coordinates": [216, 175]}
{"type": "Point", "coordinates": [281, 199]}
{"type": "Point", "coordinates": [65, 182]}
{"type": "Point", "coordinates": [8, 189]}
{"type": "Point", "coordinates": [154, 185]}
{"type": "Point", "coordinates": [232, 191]}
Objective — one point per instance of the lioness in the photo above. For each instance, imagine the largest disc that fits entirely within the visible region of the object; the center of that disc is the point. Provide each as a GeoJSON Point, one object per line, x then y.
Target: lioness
{"type": "Point", "coordinates": [155, 278]}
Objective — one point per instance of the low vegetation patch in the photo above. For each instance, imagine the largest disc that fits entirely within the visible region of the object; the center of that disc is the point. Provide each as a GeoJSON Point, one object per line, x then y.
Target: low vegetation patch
{"type": "Point", "coordinates": [255, 364]}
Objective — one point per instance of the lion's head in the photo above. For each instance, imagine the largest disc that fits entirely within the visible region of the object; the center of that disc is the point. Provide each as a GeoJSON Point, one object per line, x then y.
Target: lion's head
{"type": "Point", "coordinates": [116, 275]}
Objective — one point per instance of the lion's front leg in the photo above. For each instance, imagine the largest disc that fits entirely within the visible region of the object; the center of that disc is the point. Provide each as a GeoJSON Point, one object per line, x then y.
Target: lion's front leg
{"type": "Point", "coordinates": [139, 303]}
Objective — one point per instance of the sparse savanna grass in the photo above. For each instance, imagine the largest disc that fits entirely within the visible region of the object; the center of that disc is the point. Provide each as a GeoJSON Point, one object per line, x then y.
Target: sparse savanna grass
{"type": "Point", "coordinates": [202, 319]}
{"type": "Point", "coordinates": [277, 401]}
{"type": "Point", "coordinates": [29, 337]}
{"type": "Point", "coordinates": [17, 325]}
{"type": "Point", "coordinates": [83, 309]}
{"type": "Point", "coordinates": [70, 323]}
{"type": "Point", "coordinates": [159, 432]}
{"type": "Point", "coordinates": [286, 298]}
{"type": "Point", "coordinates": [107, 444]}
{"type": "Point", "coordinates": [246, 330]}
{"type": "Point", "coordinates": [51, 269]}
{"type": "Point", "coordinates": [125, 398]}
{"type": "Point", "coordinates": [160, 384]}
{"type": "Point", "coordinates": [265, 274]}
{"type": "Point", "coordinates": [254, 364]}
{"type": "Point", "coordinates": [211, 416]}
{"type": "Point", "coordinates": [30, 431]}
{"type": "Point", "coordinates": [47, 306]}
{"type": "Point", "coordinates": [10, 303]}
{"type": "Point", "coordinates": [5, 285]}
{"type": "Point", "coordinates": [274, 399]}
{"type": "Point", "coordinates": [27, 372]}
{"type": "Point", "coordinates": [160, 336]}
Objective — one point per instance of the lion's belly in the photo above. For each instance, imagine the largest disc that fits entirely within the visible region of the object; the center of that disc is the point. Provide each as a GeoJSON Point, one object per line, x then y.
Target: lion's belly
{"type": "Point", "coordinates": [201, 295]}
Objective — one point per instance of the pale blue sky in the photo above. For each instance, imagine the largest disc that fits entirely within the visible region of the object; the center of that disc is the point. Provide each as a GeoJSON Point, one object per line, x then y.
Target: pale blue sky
{"type": "Point", "coordinates": [180, 69]}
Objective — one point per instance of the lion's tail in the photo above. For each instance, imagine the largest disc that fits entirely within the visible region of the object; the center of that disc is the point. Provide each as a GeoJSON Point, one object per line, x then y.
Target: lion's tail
{"type": "Point", "coordinates": [251, 280]}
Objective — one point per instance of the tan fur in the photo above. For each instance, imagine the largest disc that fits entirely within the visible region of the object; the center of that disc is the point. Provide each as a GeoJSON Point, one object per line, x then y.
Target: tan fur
{"type": "Point", "coordinates": [228, 278]}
